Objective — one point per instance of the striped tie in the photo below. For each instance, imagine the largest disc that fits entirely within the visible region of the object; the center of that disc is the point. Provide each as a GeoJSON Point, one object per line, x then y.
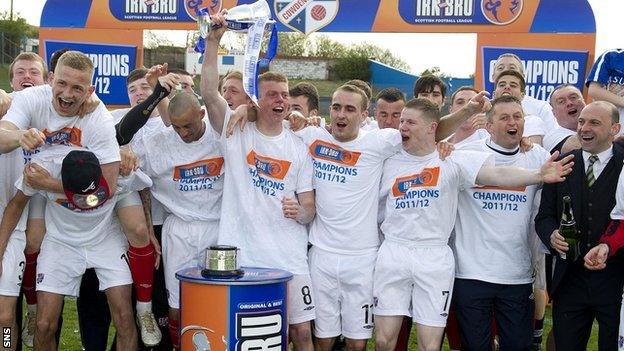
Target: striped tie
{"type": "Point", "coordinates": [590, 170]}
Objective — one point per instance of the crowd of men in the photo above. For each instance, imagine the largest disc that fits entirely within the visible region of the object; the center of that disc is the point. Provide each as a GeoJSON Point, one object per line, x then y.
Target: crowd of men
{"type": "Point", "coordinates": [399, 218]}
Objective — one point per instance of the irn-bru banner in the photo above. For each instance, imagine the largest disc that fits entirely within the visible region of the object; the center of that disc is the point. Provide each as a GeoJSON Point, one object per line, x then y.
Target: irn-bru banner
{"type": "Point", "coordinates": [543, 69]}
{"type": "Point", "coordinates": [545, 33]}
{"type": "Point", "coordinates": [306, 16]}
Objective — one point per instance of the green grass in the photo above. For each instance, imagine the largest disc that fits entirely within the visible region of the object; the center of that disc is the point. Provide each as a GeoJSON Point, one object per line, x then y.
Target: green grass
{"type": "Point", "coordinates": [70, 335]}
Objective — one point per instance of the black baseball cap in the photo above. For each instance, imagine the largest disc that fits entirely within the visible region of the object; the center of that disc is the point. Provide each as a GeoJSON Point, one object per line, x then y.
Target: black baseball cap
{"type": "Point", "coordinates": [83, 183]}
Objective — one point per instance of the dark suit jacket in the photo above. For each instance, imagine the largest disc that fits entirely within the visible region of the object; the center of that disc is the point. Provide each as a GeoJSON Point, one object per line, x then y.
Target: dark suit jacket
{"type": "Point", "coordinates": [591, 208]}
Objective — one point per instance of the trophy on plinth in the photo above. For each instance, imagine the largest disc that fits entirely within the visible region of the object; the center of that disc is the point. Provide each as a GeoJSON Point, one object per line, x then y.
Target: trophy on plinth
{"type": "Point", "coordinates": [221, 261]}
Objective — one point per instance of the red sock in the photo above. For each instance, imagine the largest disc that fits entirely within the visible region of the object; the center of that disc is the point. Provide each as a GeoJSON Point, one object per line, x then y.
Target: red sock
{"type": "Point", "coordinates": [28, 282]}
{"type": "Point", "coordinates": [173, 333]}
{"type": "Point", "coordinates": [141, 262]}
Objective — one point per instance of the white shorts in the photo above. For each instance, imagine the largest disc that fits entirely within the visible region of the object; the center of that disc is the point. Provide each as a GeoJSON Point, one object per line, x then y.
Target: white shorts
{"type": "Point", "coordinates": [128, 199]}
{"type": "Point", "coordinates": [60, 266]}
{"type": "Point", "coordinates": [184, 245]}
{"type": "Point", "coordinates": [343, 285]}
{"type": "Point", "coordinates": [13, 263]}
{"type": "Point", "coordinates": [419, 276]}
{"type": "Point", "coordinates": [300, 299]}
{"type": "Point", "coordinates": [36, 207]}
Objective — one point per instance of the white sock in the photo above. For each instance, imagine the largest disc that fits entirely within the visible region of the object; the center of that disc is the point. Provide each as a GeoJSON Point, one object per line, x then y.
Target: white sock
{"type": "Point", "coordinates": [143, 307]}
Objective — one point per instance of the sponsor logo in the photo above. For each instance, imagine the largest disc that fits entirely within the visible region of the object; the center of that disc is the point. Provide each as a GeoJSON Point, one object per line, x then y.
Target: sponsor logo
{"type": "Point", "coordinates": [306, 16]}
{"type": "Point", "coordinates": [259, 331]}
{"type": "Point", "coordinates": [501, 12]}
{"type": "Point", "coordinates": [330, 152]}
{"type": "Point", "coordinates": [198, 170]}
{"type": "Point", "coordinates": [268, 166]}
{"type": "Point", "coordinates": [428, 177]}
{"type": "Point", "coordinates": [65, 136]}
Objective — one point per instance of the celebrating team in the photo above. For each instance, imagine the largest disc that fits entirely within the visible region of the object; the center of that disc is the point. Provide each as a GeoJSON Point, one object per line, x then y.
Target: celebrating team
{"type": "Point", "coordinates": [399, 223]}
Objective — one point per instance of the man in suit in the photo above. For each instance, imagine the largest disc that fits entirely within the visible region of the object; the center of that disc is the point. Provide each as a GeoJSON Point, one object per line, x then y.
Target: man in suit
{"type": "Point", "coordinates": [580, 295]}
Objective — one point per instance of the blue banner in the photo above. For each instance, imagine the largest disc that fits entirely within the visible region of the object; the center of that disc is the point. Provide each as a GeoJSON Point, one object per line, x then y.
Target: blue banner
{"type": "Point", "coordinates": [543, 69]}
{"type": "Point", "coordinates": [112, 65]}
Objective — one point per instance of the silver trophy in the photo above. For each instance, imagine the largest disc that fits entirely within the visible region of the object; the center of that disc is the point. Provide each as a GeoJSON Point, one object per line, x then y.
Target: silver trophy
{"type": "Point", "coordinates": [222, 261]}
{"type": "Point", "coordinates": [238, 18]}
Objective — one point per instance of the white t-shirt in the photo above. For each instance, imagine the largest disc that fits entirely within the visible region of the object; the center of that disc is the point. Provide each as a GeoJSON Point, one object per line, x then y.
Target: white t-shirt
{"type": "Point", "coordinates": [260, 171]}
{"type": "Point", "coordinates": [491, 236]}
{"type": "Point", "coordinates": [346, 178]}
{"type": "Point", "coordinates": [64, 223]}
{"type": "Point", "coordinates": [533, 125]}
{"type": "Point", "coordinates": [152, 125]}
{"type": "Point", "coordinates": [420, 194]}
{"type": "Point", "coordinates": [368, 124]}
{"type": "Point", "coordinates": [541, 109]}
{"type": "Point", "coordinates": [618, 211]}
{"type": "Point", "coordinates": [188, 177]}
{"type": "Point", "coordinates": [555, 137]}
{"type": "Point", "coordinates": [32, 108]}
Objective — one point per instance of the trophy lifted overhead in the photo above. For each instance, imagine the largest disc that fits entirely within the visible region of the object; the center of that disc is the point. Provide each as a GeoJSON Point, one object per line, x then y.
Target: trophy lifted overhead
{"type": "Point", "coordinates": [255, 20]}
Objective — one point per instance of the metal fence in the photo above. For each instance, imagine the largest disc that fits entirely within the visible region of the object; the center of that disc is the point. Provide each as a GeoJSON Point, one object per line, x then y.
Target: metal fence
{"type": "Point", "coordinates": [9, 49]}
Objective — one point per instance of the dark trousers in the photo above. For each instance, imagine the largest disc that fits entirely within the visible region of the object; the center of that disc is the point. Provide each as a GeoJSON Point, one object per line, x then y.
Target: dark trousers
{"type": "Point", "coordinates": [575, 305]}
{"type": "Point", "coordinates": [477, 302]}
{"type": "Point", "coordinates": [94, 316]}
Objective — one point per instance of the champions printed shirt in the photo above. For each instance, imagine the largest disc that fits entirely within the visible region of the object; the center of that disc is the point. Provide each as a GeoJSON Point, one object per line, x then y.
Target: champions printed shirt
{"type": "Point", "coordinates": [187, 177]}
{"type": "Point", "coordinates": [346, 179]}
{"type": "Point", "coordinates": [66, 223]}
{"type": "Point", "coordinates": [32, 108]}
{"type": "Point", "coordinates": [491, 236]}
{"type": "Point", "coordinates": [260, 171]}
{"type": "Point", "coordinates": [420, 194]}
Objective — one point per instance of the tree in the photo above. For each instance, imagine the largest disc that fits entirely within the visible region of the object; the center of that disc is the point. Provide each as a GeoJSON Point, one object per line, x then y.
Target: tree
{"type": "Point", "coordinates": [436, 71]}
{"type": "Point", "coordinates": [18, 28]}
{"type": "Point", "coordinates": [153, 39]}
{"type": "Point", "coordinates": [292, 44]}
{"type": "Point", "coordinates": [324, 47]}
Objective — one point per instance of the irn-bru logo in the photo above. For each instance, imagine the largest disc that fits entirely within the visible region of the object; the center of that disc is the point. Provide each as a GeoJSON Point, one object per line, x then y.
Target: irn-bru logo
{"type": "Point", "coordinates": [200, 169]}
{"type": "Point", "coordinates": [507, 188]}
{"type": "Point", "coordinates": [271, 167]}
{"type": "Point", "coordinates": [428, 177]}
{"type": "Point", "coordinates": [330, 152]}
{"type": "Point", "coordinates": [65, 136]}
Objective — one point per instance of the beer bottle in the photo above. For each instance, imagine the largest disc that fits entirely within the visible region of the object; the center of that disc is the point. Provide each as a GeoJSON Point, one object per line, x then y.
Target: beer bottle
{"type": "Point", "coordinates": [568, 230]}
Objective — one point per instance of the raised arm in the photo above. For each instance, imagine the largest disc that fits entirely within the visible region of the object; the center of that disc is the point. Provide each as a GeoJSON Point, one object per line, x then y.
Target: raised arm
{"type": "Point", "coordinates": [451, 122]}
{"type": "Point", "coordinates": [597, 91]}
{"type": "Point", "coordinates": [551, 172]}
{"type": "Point", "coordinates": [136, 118]}
{"type": "Point", "coordinates": [216, 106]}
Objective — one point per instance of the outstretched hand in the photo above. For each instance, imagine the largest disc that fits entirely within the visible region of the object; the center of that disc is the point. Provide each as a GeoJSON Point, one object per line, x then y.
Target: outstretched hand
{"type": "Point", "coordinates": [555, 171]}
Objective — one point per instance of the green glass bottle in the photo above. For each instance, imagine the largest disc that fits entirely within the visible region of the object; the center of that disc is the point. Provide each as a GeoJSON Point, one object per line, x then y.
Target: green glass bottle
{"type": "Point", "coordinates": [569, 231]}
